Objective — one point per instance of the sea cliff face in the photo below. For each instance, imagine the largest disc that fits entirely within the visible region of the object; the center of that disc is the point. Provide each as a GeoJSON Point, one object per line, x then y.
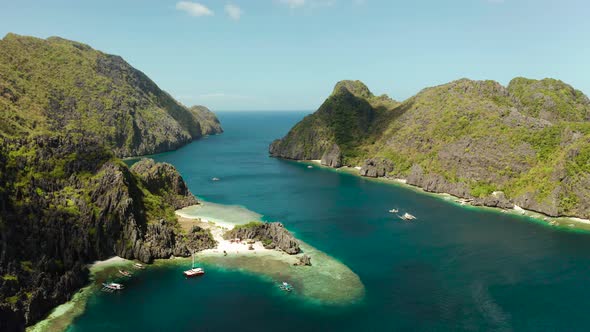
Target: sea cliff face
{"type": "Point", "coordinates": [66, 202]}
{"type": "Point", "coordinates": [527, 144]}
{"type": "Point", "coordinates": [57, 85]}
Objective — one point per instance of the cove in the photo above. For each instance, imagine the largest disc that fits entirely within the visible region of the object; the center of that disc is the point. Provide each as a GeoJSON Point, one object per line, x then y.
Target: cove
{"type": "Point", "coordinates": [453, 269]}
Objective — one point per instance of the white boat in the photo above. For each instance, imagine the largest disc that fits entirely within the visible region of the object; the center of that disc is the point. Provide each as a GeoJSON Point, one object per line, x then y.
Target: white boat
{"type": "Point", "coordinates": [286, 287]}
{"type": "Point", "coordinates": [215, 179]}
{"type": "Point", "coordinates": [111, 286]}
{"type": "Point", "coordinates": [194, 271]}
{"type": "Point", "coordinates": [125, 273]}
{"type": "Point", "coordinates": [393, 211]}
{"type": "Point", "coordinates": [139, 266]}
{"type": "Point", "coordinates": [309, 166]}
{"type": "Point", "coordinates": [407, 216]}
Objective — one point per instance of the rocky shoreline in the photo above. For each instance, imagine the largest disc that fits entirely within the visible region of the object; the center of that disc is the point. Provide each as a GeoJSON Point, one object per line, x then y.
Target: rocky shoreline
{"type": "Point", "coordinates": [497, 201]}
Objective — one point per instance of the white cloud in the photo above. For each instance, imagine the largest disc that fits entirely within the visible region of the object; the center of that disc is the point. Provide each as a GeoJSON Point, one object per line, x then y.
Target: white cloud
{"type": "Point", "coordinates": [293, 3]}
{"type": "Point", "coordinates": [193, 8]}
{"type": "Point", "coordinates": [296, 4]}
{"type": "Point", "coordinates": [233, 11]}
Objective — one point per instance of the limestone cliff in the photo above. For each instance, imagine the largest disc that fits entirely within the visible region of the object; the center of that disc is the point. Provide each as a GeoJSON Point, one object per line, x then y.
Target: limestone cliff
{"type": "Point", "coordinates": [66, 202]}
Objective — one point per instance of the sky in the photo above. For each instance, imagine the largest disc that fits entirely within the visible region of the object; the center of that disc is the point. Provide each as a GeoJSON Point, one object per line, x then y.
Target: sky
{"type": "Point", "coordinates": [289, 54]}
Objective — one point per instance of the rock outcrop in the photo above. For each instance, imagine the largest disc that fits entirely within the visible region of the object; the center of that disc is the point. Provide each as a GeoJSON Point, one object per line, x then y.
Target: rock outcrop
{"type": "Point", "coordinates": [164, 180]}
{"type": "Point", "coordinates": [472, 139]}
{"type": "Point", "coordinates": [304, 260]}
{"type": "Point", "coordinates": [332, 157]}
{"type": "Point", "coordinates": [273, 236]}
{"type": "Point", "coordinates": [376, 167]}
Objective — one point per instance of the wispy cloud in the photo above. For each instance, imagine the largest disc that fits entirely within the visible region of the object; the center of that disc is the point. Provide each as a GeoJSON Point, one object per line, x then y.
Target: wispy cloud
{"type": "Point", "coordinates": [233, 11]}
{"type": "Point", "coordinates": [194, 8]}
{"type": "Point", "coordinates": [293, 3]}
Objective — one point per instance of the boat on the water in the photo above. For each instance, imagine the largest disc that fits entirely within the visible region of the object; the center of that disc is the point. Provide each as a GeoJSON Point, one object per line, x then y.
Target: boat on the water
{"type": "Point", "coordinates": [286, 287]}
{"type": "Point", "coordinates": [407, 216]}
{"type": "Point", "coordinates": [393, 211]}
{"type": "Point", "coordinates": [111, 287]}
{"type": "Point", "coordinates": [215, 179]}
{"type": "Point", "coordinates": [194, 271]}
{"type": "Point", "coordinates": [138, 266]}
{"type": "Point", "coordinates": [125, 273]}
{"type": "Point", "coordinates": [309, 166]}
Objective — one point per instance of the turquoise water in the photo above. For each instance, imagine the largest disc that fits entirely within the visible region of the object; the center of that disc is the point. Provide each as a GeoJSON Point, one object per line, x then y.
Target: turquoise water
{"type": "Point", "coordinates": [452, 269]}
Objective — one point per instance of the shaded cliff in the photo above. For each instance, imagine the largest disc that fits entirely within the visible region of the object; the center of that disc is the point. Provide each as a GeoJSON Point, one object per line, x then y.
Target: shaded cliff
{"type": "Point", "coordinates": [66, 202]}
{"type": "Point", "coordinates": [335, 133]}
{"type": "Point", "coordinates": [526, 144]}
{"type": "Point", "coordinates": [57, 85]}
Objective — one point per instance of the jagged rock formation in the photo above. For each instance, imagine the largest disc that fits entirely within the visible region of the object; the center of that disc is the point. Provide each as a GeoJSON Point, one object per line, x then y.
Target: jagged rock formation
{"type": "Point", "coordinates": [164, 180]}
{"type": "Point", "coordinates": [376, 167]}
{"type": "Point", "coordinates": [65, 202]}
{"type": "Point", "coordinates": [526, 144]}
{"type": "Point", "coordinates": [208, 120]}
{"type": "Point", "coordinates": [57, 85]}
{"type": "Point", "coordinates": [273, 235]}
{"type": "Point", "coordinates": [304, 260]}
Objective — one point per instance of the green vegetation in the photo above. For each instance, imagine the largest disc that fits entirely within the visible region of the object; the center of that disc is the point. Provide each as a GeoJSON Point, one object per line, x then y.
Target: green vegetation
{"type": "Point", "coordinates": [57, 85]}
{"type": "Point", "coordinates": [250, 225]}
{"type": "Point", "coordinates": [10, 277]}
{"type": "Point", "coordinates": [530, 140]}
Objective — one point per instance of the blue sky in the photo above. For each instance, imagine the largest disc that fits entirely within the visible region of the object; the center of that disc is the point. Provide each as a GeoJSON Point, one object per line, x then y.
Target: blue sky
{"type": "Point", "coordinates": [288, 54]}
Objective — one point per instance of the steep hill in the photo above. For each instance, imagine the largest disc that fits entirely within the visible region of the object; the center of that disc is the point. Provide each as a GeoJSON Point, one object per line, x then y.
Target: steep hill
{"type": "Point", "coordinates": [58, 86]}
{"type": "Point", "coordinates": [526, 144]}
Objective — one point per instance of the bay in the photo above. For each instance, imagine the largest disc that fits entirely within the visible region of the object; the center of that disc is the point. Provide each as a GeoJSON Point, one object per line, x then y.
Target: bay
{"type": "Point", "coordinates": [452, 269]}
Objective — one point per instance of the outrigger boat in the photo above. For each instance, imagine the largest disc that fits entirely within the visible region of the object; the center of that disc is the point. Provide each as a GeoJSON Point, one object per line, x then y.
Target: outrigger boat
{"type": "Point", "coordinates": [407, 216]}
{"type": "Point", "coordinates": [286, 287]}
{"type": "Point", "coordinates": [138, 266]}
{"type": "Point", "coordinates": [194, 271]}
{"type": "Point", "coordinates": [393, 211]}
{"type": "Point", "coordinates": [125, 273]}
{"type": "Point", "coordinates": [111, 287]}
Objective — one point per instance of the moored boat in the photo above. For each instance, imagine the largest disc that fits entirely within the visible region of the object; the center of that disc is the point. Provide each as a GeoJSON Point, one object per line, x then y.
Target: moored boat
{"type": "Point", "coordinates": [125, 273]}
{"type": "Point", "coordinates": [407, 216]}
{"type": "Point", "coordinates": [112, 286]}
{"type": "Point", "coordinates": [286, 286]}
{"type": "Point", "coordinates": [138, 266]}
{"type": "Point", "coordinates": [393, 211]}
{"type": "Point", "coordinates": [194, 271]}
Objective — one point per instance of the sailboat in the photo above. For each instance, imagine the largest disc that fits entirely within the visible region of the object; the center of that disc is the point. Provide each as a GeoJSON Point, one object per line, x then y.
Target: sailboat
{"type": "Point", "coordinates": [194, 271]}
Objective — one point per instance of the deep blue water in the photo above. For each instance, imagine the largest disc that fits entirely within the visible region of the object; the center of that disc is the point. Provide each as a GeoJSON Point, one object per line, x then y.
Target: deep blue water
{"type": "Point", "coordinates": [453, 269]}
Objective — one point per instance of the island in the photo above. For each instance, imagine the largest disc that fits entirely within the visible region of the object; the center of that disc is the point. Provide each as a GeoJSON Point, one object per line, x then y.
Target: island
{"type": "Point", "coordinates": [524, 146]}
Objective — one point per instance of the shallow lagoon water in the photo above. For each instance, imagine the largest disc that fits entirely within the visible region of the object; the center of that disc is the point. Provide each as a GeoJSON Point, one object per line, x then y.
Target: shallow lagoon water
{"type": "Point", "coordinates": [455, 268]}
